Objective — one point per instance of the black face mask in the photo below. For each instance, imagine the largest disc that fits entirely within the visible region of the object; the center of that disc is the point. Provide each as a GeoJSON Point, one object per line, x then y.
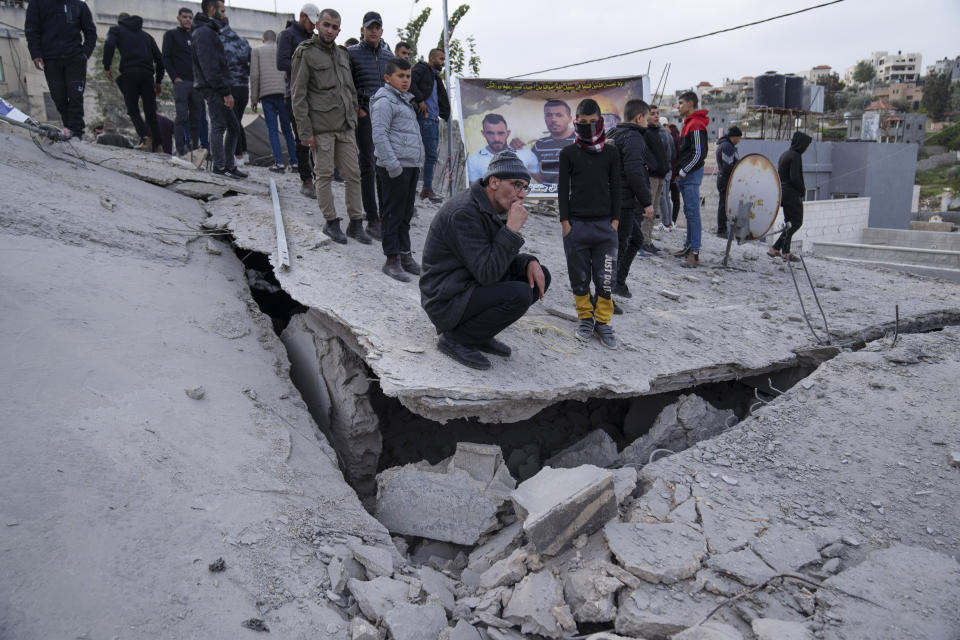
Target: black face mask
{"type": "Point", "coordinates": [585, 130]}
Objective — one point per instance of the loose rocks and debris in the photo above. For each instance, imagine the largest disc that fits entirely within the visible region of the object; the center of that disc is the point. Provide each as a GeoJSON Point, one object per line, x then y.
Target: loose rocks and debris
{"type": "Point", "coordinates": [217, 565]}
{"type": "Point", "coordinates": [255, 624]}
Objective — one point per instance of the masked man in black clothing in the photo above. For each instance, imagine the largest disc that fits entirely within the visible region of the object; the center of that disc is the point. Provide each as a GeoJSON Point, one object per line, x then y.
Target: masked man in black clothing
{"type": "Point", "coordinates": [61, 37]}
{"type": "Point", "coordinates": [368, 62]}
{"type": "Point", "coordinates": [178, 61]}
{"type": "Point", "coordinates": [475, 281]}
{"type": "Point", "coordinates": [792, 191]}
{"type": "Point", "coordinates": [290, 38]}
{"type": "Point", "coordinates": [141, 72]}
{"type": "Point", "coordinates": [212, 78]}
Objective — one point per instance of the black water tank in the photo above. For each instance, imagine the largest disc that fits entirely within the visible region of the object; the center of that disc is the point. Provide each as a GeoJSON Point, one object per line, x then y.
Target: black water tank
{"type": "Point", "coordinates": [793, 96]}
{"type": "Point", "coordinates": [769, 90]}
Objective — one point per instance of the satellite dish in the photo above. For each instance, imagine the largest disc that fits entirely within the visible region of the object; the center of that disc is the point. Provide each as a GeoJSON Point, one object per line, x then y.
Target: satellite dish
{"type": "Point", "coordinates": [753, 199]}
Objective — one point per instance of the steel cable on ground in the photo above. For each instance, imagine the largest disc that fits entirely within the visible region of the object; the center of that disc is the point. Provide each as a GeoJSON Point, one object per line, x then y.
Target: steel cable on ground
{"type": "Point", "coordinates": [668, 44]}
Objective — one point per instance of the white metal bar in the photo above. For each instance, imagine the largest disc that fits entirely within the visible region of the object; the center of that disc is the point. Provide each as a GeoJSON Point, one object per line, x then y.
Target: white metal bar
{"type": "Point", "coordinates": [282, 249]}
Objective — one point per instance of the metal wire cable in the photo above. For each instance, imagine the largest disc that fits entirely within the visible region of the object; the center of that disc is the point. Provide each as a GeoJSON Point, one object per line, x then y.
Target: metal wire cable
{"type": "Point", "coordinates": [668, 44]}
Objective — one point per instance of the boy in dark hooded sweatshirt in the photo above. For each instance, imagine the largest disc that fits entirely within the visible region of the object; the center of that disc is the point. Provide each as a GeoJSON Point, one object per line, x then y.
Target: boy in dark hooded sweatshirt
{"type": "Point", "coordinates": [792, 190]}
{"type": "Point", "coordinates": [588, 192]}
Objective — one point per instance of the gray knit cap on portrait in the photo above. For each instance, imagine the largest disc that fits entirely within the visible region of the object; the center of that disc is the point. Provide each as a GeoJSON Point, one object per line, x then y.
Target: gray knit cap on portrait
{"type": "Point", "coordinates": [506, 166]}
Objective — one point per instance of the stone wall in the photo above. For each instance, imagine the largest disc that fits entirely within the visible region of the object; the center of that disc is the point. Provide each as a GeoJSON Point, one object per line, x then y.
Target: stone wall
{"type": "Point", "coordinates": [831, 221]}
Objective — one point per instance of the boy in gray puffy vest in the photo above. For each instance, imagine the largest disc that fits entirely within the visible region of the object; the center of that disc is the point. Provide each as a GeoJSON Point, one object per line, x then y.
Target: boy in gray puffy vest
{"type": "Point", "coordinates": [399, 151]}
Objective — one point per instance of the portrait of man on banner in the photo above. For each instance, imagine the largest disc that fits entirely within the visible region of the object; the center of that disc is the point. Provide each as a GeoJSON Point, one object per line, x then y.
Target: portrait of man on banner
{"type": "Point", "coordinates": [535, 120]}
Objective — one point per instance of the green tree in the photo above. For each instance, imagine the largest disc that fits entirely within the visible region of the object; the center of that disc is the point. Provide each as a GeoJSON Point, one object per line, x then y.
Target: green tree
{"type": "Point", "coordinates": [832, 85]}
{"type": "Point", "coordinates": [411, 32]}
{"type": "Point", "coordinates": [864, 72]}
{"type": "Point", "coordinates": [936, 95]}
{"type": "Point", "coordinates": [461, 57]}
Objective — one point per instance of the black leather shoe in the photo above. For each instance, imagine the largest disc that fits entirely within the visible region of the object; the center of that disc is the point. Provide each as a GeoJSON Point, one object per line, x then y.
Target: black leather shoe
{"type": "Point", "coordinates": [393, 269]}
{"type": "Point", "coordinates": [622, 290]}
{"type": "Point", "coordinates": [495, 347]}
{"type": "Point", "coordinates": [332, 229]}
{"type": "Point", "coordinates": [409, 264]}
{"type": "Point", "coordinates": [355, 231]}
{"type": "Point", "coordinates": [467, 356]}
{"type": "Point", "coordinates": [373, 228]}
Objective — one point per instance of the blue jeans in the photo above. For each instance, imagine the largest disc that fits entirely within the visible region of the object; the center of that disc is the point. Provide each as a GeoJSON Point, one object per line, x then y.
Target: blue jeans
{"type": "Point", "coordinates": [430, 132]}
{"type": "Point", "coordinates": [274, 109]}
{"type": "Point", "coordinates": [690, 190]}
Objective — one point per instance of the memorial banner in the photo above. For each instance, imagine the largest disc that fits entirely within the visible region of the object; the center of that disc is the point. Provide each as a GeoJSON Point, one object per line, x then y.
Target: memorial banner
{"type": "Point", "coordinates": [534, 118]}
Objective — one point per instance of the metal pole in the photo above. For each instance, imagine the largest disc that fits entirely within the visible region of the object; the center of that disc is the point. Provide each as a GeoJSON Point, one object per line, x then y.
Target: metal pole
{"type": "Point", "coordinates": [446, 71]}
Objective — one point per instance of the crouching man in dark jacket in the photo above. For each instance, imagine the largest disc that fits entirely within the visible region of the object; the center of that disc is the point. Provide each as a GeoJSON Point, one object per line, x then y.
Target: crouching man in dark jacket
{"type": "Point", "coordinates": [475, 281]}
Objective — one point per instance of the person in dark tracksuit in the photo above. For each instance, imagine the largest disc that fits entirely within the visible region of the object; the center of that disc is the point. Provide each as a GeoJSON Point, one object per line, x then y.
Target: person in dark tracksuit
{"type": "Point", "coordinates": [237, 50]}
{"type": "Point", "coordinates": [61, 36]}
{"type": "Point", "coordinates": [212, 78]}
{"type": "Point", "coordinates": [628, 136]}
{"type": "Point", "coordinates": [141, 72]}
{"type": "Point", "coordinates": [178, 61]}
{"type": "Point", "coordinates": [368, 62]}
{"type": "Point", "coordinates": [290, 38]}
{"type": "Point", "coordinates": [792, 190]}
{"type": "Point", "coordinates": [588, 191]}
{"type": "Point", "coordinates": [727, 157]}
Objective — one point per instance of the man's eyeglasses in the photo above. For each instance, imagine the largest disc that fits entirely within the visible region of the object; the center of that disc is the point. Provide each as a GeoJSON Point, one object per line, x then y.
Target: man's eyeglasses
{"type": "Point", "coordinates": [519, 185]}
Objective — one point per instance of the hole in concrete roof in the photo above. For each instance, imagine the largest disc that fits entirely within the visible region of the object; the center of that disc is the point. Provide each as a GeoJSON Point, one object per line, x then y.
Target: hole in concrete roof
{"type": "Point", "coordinates": [266, 290]}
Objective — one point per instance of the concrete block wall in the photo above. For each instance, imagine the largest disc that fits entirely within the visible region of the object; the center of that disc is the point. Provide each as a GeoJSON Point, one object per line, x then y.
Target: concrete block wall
{"type": "Point", "coordinates": [831, 221]}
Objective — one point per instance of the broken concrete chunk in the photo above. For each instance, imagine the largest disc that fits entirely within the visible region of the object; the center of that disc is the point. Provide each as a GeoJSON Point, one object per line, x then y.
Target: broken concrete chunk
{"type": "Point", "coordinates": [465, 631]}
{"type": "Point", "coordinates": [709, 631]}
{"type": "Point", "coordinates": [495, 548]}
{"type": "Point", "coordinates": [746, 566]}
{"type": "Point", "coordinates": [657, 613]}
{"type": "Point", "coordinates": [686, 512]}
{"type": "Point", "coordinates": [479, 461]}
{"type": "Point", "coordinates": [537, 605]}
{"type": "Point", "coordinates": [360, 629]}
{"type": "Point", "coordinates": [590, 595]}
{"type": "Point", "coordinates": [377, 562]}
{"type": "Point", "coordinates": [597, 448]}
{"type": "Point", "coordinates": [378, 596]}
{"type": "Point", "coordinates": [416, 621]}
{"type": "Point", "coordinates": [624, 482]}
{"type": "Point", "coordinates": [670, 295]}
{"type": "Point", "coordinates": [656, 552]}
{"type": "Point", "coordinates": [505, 572]}
{"type": "Point", "coordinates": [719, 584]}
{"type": "Point", "coordinates": [786, 548]}
{"type": "Point", "coordinates": [451, 507]}
{"type": "Point", "coordinates": [557, 505]}
{"type": "Point", "coordinates": [769, 629]}
{"type": "Point", "coordinates": [338, 577]}
{"type": "Point", "coordinates": [872, 598]}
{"type": "Point", "coordinates": [439, 585]}
{"type": "Point", "coordinates": [725, 531]}
{"type": "Point", "coordinates": [678, 426]}
{"type": "Point", "coordinates": [955, 458]}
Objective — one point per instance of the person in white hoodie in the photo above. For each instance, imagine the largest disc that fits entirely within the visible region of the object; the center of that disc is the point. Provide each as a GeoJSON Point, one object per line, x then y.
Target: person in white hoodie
{"type": "Point", "coordinates": [400, 154]}
{"type": "Point", "coordinates": [267, 86]}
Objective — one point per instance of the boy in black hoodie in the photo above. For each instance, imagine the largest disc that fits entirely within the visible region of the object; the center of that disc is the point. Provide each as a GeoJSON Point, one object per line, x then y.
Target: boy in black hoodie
{"type": "Point", "coordinates": [792, 190]}
{"type": "Point", "coordinates": [589, 200]}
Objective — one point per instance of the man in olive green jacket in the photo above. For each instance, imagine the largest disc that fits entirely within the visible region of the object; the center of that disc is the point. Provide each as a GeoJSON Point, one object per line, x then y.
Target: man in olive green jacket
{"type": "Point", "coordinates": [325, 108]}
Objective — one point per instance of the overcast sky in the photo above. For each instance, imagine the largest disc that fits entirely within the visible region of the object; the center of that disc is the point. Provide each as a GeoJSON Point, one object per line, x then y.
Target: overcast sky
{"type": "Point", "coordinates": [519, 36]}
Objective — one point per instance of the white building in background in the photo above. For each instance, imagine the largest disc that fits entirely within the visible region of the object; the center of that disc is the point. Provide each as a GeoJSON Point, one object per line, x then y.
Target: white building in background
{"type": "Point", "coordinates": [949, 66]}
{"type": "Point", "coordinates": [899, 67]}
{"type": "Point", "coordinates": [819, 71]}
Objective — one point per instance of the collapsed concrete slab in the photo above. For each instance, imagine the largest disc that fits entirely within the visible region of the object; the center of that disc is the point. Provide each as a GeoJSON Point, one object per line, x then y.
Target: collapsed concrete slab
{"type": "Point", "coordinates": [416, 622]}
{"type": "Point", "coordinates": [457, 504]}
{"type": "Point", "coordinates": [597, 449]}
{"type": "Point", "coordinates": [119, 489]}
{"type": "Point", "coordinates": [537, 605]}
{"type": "Point", "coordinates": [558, 505]}
{"type": "Point", "coordinates": [743, 304]}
